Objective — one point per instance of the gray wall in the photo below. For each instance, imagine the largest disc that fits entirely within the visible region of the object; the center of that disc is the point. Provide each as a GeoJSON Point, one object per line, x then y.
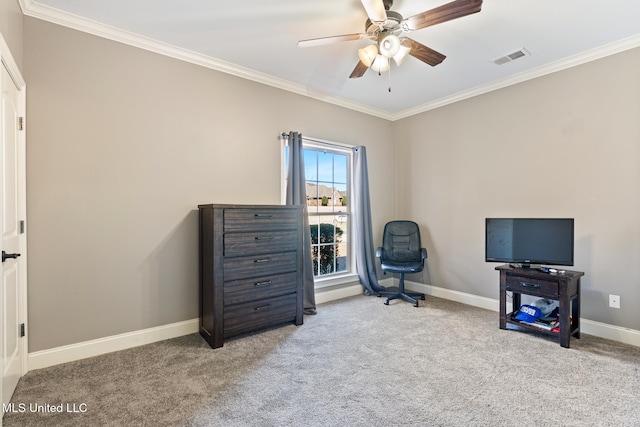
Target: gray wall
{"type": "Point", "coordinates": [562, 145]}
{"type": "Point", "coordinates": [123, 144]}
{"type": "Point", "coordinates": [11, 28]}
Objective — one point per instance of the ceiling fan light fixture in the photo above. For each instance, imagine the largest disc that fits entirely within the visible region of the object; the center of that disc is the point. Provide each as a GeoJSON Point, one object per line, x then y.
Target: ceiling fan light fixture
{"type": "Point", "coordinates": [389, 45]}
{"type": "Point", "coordinates": [401, 55]}
{"type": "Point", "coordinates": [380, 64]}
{"type": "Point", "coordinates": [368, 54]}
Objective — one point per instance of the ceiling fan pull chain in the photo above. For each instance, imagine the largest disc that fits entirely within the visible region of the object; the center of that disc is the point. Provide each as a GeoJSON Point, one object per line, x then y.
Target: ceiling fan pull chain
{"type": "Point", "coordinates": [389, 78]}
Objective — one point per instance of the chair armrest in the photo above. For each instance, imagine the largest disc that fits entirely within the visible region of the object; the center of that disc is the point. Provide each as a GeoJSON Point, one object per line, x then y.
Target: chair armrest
{"type": "Point", "coordinates": [379, 252]}
{"type": "Point", "coordinates": [423, 253]}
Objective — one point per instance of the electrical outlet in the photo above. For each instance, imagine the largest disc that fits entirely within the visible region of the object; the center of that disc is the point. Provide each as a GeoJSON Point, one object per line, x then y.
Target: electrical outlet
{"type": "Point", "coordinates": [614, 301]}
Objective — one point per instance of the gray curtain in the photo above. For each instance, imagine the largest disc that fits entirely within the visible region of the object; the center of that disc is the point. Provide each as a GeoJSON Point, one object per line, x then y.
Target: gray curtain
{"type": "Point", "coordinates": [363, 245]}
{"type": "Point", "coordinates": [297, 195]}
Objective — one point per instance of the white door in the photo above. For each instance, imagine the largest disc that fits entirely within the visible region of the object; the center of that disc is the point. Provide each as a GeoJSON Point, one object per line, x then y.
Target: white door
{"type": "Point", "coordinates": [13, 241]}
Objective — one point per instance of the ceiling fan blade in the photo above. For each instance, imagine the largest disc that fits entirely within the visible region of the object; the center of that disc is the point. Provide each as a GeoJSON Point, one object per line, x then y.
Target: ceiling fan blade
{"type": "Point", "coordinates": [423, 53]}
{"type": "Point", "coordinates": [333, 39]}
{"type": "Point", "coordinates": [375, 10]}
{"type": "Point", "coordinates": [358, 71]}
{"type": "Point", "coordinates": [444, 13]}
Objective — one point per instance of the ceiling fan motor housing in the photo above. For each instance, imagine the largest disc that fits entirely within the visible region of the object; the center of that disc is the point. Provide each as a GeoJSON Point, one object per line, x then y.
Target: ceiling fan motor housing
{"type": "Point", "coordinates": [392, 24]}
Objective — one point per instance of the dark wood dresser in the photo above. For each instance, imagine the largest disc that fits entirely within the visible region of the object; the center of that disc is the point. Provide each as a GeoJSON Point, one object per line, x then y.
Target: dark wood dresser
{"type": "Point", "coordinates": [250, 268]}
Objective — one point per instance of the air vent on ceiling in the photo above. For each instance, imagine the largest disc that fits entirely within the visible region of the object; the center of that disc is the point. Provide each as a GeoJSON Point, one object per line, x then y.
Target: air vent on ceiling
{"type": "Point", "coordinates": [512, 56]}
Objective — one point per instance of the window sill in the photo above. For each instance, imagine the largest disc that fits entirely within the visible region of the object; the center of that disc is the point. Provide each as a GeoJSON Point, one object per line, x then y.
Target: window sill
{"type": "Point", "coordinates": [336, 280]}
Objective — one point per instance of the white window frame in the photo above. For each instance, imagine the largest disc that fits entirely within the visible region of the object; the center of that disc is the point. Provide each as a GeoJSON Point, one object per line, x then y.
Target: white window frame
{"type": "Point", "coordinates": [340, 148]}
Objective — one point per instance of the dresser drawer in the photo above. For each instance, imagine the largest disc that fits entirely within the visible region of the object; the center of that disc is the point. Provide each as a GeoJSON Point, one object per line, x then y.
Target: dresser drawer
{"type": "Point", "coordinates": [525, 285]}
{"type": "Point", "coordinates": [241, 291]}
{"type": "Point", "coordinates": [247, 317]}
{"type": "Point", "coordinates": [263, 219]}
{"type": "Point", "coordinates": [259, 242]}
{"type": "Point", "coordinates": [259, 265]}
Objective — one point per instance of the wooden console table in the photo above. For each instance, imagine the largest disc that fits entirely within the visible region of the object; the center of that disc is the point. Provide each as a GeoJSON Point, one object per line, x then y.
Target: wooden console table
{"type": "Point", "coordinates": [562, 287]}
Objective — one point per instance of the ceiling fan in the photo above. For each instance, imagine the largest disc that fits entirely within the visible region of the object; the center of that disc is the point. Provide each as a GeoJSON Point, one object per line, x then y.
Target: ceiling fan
{"type": "Point", "coordinates": [385, 28]}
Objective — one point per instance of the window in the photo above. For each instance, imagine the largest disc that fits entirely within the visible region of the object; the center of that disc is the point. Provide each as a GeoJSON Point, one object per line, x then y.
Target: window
{"type": "Point", "coordinates": [328, 181]}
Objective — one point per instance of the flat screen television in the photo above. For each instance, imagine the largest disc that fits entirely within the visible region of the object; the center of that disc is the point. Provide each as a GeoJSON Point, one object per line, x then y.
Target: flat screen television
{"type": "Point", "coordinates": [527, 241]}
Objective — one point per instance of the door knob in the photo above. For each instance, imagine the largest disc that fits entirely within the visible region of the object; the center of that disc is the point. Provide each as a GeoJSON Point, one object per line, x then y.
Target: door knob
{"type": "Point", "coordinates": [6, 256]}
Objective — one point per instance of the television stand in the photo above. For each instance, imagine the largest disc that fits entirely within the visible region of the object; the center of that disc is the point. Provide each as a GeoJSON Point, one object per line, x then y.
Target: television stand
{"type": "Point", "coordinates": [562, 287]}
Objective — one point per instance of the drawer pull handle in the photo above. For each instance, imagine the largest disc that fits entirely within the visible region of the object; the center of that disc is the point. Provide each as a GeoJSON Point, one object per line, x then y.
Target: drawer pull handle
{"type": "Point", "coordinates": [264, 237]}
{"type": "Point", "coordinates": [529, 285]}
{"type": "Point", "coordinates": [257, 261]}
{"type": "Point", "coordinates": [263, 215]}
{"type": "Point", "coordinates": [267, 283]}
{"type": "Point", "coordinates": [262, 307]}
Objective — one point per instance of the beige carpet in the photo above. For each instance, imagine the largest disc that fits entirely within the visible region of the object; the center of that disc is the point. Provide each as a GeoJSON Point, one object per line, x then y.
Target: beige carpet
{"type": "Point", "coordinates": [356, 363]}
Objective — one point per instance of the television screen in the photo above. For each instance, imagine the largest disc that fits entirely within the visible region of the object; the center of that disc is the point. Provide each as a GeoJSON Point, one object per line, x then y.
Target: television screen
{"type": "Point", "coordinates": [529, 240]}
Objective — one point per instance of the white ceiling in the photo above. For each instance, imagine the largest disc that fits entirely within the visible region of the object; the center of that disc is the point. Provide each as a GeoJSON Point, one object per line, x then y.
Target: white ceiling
{"type": "Point", "coordinates": [256, 39]}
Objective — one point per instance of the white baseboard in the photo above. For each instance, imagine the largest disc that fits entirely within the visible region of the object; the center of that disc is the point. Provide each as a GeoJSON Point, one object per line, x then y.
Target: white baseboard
{"type": "Point", "coordinates": [598, 329]}
{"type": "Point", "coordinates": [323, 296]}
{"type": "Point", "coordinates": [611, 332]}
{"type": "Point", "coordinates": [82, 350]}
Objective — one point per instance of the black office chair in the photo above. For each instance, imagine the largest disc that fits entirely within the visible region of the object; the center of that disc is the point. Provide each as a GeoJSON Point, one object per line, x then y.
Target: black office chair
{"type": "Point", "coordinates": [401, 252]}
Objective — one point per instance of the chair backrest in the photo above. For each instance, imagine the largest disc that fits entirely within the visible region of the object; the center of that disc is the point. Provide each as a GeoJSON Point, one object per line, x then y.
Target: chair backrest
{"type": "Point", "coordinates": [401, 242]}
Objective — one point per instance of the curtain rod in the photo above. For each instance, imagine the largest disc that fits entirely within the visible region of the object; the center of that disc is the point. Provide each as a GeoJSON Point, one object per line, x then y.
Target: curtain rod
{"type": "Point", "coordinates": [334, 144]}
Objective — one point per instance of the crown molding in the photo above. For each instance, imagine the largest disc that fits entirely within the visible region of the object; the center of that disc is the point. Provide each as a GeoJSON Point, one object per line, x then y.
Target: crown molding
{"type": "Point", "coordinates": [563, 64]}
{"type": "Point", "coordinates": [56, 16]}
{"type": "Point", "coordinates": [25, 5]}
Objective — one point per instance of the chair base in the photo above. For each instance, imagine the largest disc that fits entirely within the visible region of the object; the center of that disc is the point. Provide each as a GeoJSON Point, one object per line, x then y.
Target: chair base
{"type": "Point", "coordinates": [397, 293]}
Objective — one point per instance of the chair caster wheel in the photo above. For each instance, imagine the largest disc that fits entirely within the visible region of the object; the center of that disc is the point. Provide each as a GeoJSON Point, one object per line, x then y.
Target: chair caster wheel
{"type": "Point", "coordinates": [422, 298]}
{"type": "Point", "coordinates": [386, 303]}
